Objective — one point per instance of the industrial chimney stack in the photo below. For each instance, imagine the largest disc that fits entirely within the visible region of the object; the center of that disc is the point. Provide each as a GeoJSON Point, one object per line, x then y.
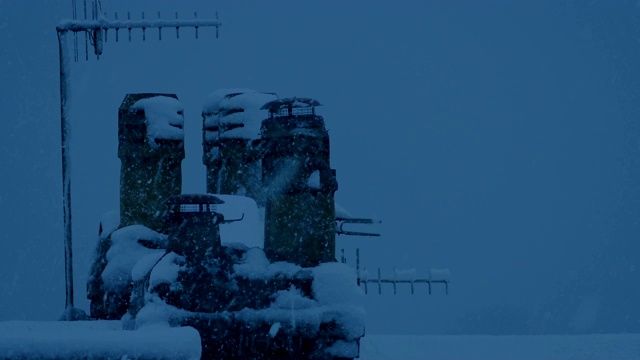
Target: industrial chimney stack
{"type": "Point", "coordinates": [151, 150]}
{"type": "Point", "coordinates": [299, 184]}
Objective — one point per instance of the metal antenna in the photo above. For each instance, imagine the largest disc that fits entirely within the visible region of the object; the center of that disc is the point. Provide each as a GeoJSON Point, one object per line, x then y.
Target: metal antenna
{"type": "Point", "coordinates": [159, 29]}
{"type": "Point", "coordinates": [75, 35]}
{"type": "Point", "coordinates": [86, 38]}
{"type": "Point", "coordinates": [178, 28]}
{"type": "Point", "coordinates": [94, 29]}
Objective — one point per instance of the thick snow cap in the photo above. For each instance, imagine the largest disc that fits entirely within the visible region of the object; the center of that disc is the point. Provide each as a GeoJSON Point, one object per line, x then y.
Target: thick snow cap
{"type": "Point", "coordinates": [235, 113]}
{"type": "Point", "coordinates": [164, 117]}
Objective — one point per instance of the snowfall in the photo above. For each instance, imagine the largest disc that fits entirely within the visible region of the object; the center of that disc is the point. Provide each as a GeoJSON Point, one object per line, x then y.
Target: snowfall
{"type": "Point", "coordinates": [105, 339]}
{"type": "Point", "coordinates": [157, 340]}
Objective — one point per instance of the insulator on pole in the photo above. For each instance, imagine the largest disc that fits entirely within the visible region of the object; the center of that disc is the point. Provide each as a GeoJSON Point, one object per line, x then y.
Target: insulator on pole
{"type": "Point", "coordinates": [195, 16]}
{"type": "Point", "coordinates": [159, 29]}
{"type": "Point", "coordinates": [177, 28]}
{"type": "Point", "coordinates": [116, 16]}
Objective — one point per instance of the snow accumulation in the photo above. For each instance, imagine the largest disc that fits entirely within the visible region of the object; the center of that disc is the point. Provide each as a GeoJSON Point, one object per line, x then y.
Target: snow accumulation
{"type": "Point", "coordinates": [439, 274]}
{"type": "Point", "coordinates": [125, 252]}
{"type": "Point", "coordinates": [334, 287]}
{"type": "Point", "coordinates": [157, 313]}
{"type": "Point", "coordinates": [95, 340]}
{"type": "Point", "coordinates": [313, 181]}
{"type": "Point", "coordinates": [334, 298]}
{"type": "Point", "coordinates": [145, 264]}
{"type": "Point", "coordinates": [107, 340]}
{"type": "Point", "coordinates": [236, 113]}
{"type": "Point", "coordinates": [164, 117]}
{"type": "Point", "coordinates": [485, 347]}
{"type": "Point", "coordinates": [109, 222]}
{"type": "Point", "coordinates": [334, 283]}
{"type": "Point", "coordinates": [167, 270]}
{"type": "Point", "coordinates": [405, 274]}
{"type": "Point", "coordinates": [249, 231]}
{"type": "Point", "coordinates": [292, 299]}
{"type": "Point", "coordinates": [255, 265]}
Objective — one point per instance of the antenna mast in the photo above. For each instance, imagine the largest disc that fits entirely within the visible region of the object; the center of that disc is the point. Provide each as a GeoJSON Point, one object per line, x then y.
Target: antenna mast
{"type": "Point", "coordinates": [96, 30]}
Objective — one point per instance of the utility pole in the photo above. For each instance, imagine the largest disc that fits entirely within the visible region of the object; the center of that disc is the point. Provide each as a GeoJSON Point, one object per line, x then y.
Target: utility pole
{"type": "Point", "coordinates": [96, 29]}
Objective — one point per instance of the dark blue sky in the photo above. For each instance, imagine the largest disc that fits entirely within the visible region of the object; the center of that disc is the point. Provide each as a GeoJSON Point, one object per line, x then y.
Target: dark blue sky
{"type": "Point", "coordinates": [496, 138]}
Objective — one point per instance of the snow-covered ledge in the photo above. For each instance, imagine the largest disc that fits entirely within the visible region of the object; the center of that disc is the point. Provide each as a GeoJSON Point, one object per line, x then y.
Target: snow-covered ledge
{"type": "Point", "coordinates": [95, 340]}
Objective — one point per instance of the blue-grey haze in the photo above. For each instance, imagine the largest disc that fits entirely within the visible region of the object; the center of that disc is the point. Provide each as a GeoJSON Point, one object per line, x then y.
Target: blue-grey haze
{"type": "Point", "coordinates": [499, 139]}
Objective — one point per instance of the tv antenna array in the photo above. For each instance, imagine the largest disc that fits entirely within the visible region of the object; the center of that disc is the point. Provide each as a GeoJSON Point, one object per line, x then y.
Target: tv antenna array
{"type": "Point", "coordinates": [96, 30]}
{"type": "Point", "coordinates": [400, 276]}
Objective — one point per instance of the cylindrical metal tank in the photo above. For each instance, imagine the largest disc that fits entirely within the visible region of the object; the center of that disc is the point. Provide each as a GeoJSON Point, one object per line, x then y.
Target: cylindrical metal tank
{"type": "Point", "coordinates": [298, 183]}
{"type": "Point", "coordinates": [151, 150]}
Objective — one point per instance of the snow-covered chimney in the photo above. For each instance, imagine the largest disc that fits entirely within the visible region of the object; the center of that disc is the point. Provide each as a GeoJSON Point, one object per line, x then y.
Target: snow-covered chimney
{"type": "Point", "coordinates": [299, 184]}
{"type": "Point", "coordinates": [151, 150]}
{"type": "Point", "coordinates": [230, 139]}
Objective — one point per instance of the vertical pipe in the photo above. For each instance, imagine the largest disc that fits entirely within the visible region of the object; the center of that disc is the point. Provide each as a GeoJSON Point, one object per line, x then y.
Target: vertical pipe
{"type": "Point", "coordinates": [358, 265]}
{"type": "Point", "coordinates": [394, 281]}
{"type": "Point", "coordinates": [116, 16]}
{"type": "Point", "coordinates": [66, 167]}
{"type": "Point", "coordinates": [86, 37]}
{"type": "Point", "coordinates": [195, 16]}
{"type": "Point", "coordinates": [144, 30]}
{"type": "Point", "coordinates": [177, 28]}
{"type": "Point", "coordinates": [159, 29]}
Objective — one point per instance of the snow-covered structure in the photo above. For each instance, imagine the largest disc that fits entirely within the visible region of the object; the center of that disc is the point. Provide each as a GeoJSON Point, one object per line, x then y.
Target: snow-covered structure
{"type": "Point", "coordinates": [166, 263]}
{"type": "Point", "coordinates": [151, 150]}
{"type": "Point", "coordinates": [298, 183]}
{"type": "Point", "coordinates": [231, 120]}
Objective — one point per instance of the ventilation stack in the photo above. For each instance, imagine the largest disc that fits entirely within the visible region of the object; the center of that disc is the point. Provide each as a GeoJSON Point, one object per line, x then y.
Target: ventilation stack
{"type": "Point", "coordinates": [151, 150]}
{"type": "Point", "coordinates": [230, 138]}
{"type": "Point", "coordinates": [298, 183]}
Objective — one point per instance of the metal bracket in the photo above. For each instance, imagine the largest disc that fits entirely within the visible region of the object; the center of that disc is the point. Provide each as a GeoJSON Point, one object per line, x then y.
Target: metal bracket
{"type": "Point", "coordinates": [340, 222]}
{"type": "Point", "coordinates": [233, 220]}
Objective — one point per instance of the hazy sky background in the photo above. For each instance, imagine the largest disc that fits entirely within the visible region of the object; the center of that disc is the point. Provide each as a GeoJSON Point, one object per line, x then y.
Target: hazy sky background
{"type": "Point", "coordinates": [499, 139]}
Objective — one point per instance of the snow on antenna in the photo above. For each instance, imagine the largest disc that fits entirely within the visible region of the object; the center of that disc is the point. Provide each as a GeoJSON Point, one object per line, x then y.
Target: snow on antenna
{"type": "Point", "coordinates": [95, 31]}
